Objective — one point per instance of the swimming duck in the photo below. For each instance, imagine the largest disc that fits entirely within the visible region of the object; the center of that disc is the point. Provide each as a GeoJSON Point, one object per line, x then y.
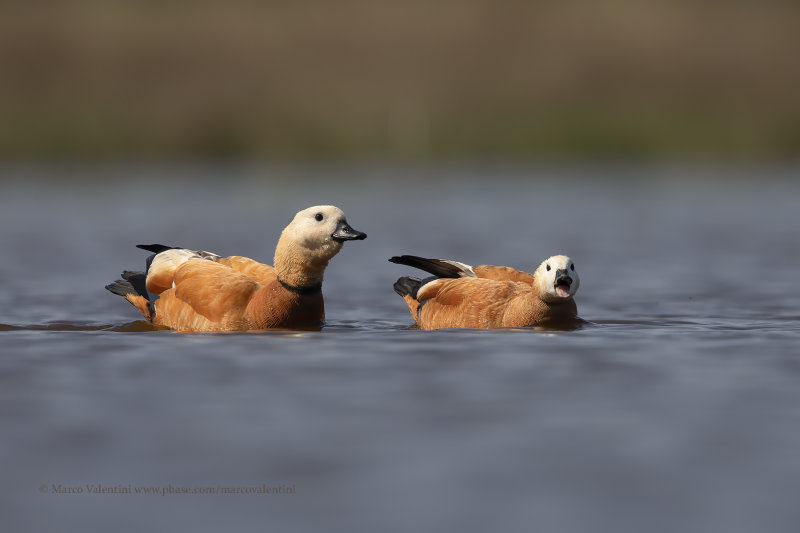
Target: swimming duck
{"type": "Point", "coordinates": [485, 296]}
{"type": "Point", "coordinates": [201, 291]}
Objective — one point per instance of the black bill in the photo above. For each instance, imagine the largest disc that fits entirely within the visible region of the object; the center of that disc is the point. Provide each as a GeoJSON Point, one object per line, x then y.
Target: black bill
{"type": "Point", "coordinates": [345, 233]}
{"type": "Point", "coordinates": [562, 278]}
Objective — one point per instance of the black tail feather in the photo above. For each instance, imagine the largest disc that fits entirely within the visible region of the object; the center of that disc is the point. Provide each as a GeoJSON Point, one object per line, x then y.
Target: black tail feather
{"type": "Point", "coordinates": [132, 283]}
{"type": "Point", "coordinates": [121, 288]}
{"type": "Point", "coordinates": [138, 281]}
{"type": "Point", "coordinates": [407, 285]}
{"type": "Point", "coordinates": [437, 267]}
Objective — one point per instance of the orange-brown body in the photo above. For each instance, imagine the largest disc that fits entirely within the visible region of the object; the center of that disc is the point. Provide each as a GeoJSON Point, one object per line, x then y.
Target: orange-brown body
{"type": "Point", "coordinates": [234, 294]}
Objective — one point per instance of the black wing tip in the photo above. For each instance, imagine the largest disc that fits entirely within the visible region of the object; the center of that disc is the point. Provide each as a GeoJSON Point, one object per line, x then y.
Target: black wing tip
{"type": "Point", "coordinates": [156, 248]}
{"type": "Point", "coordinates": [409, 260]}
{"type": "Point", "coordinates": [437, 267]}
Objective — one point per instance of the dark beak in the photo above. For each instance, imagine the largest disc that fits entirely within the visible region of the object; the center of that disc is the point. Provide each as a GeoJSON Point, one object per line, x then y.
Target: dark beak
{"type": "Point", "coordinates": [345, 233]}
{"type": "Point", "coordinates": [562, 278]}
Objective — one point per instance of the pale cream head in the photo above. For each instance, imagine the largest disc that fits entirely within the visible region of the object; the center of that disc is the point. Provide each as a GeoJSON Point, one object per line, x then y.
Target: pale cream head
{"type": "Point", "coordinates": [310, 240]}
{"type": "Point", "coordinates": [557, 279]}
{"type": "Point", "coordinates": [312, 229]}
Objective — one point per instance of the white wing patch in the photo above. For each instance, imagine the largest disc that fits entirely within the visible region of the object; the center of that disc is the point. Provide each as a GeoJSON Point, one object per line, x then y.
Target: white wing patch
{"type": "Point", "coordinates": [466, 270]}
{"type": "Point", "coordinates": [172, 259]}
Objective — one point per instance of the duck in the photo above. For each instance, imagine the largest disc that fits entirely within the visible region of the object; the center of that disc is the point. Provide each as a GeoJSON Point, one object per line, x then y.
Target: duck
{"type": "Point", "coordinates": [200, 291]}
{"type": "Point", "coordinates": [458, 295]}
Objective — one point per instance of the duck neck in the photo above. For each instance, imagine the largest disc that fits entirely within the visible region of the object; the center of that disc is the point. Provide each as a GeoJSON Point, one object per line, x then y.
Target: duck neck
{"type": "Point", "coordinates": [298, 269]}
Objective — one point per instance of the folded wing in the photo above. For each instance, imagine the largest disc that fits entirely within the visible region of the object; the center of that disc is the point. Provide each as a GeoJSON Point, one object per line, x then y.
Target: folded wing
{"type": "Point", "coordinates": [445, 268]}
{"type": "Point", "coordinates": [211, 290]}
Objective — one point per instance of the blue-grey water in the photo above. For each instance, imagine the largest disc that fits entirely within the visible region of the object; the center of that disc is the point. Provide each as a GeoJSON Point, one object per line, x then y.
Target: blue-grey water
{"type": "Point", "coordinates": [676, 409]}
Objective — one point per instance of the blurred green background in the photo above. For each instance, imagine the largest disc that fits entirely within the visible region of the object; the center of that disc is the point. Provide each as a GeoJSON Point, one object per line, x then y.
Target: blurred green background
{"type": "Point", "coordinates": [420, 80]}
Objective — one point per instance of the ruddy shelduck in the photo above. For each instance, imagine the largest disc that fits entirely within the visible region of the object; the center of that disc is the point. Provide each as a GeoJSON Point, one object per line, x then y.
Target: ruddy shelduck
{"type": "Point", "coordinates": [462, 296]}
{"type": "Point", "coordinates": [203, 292]}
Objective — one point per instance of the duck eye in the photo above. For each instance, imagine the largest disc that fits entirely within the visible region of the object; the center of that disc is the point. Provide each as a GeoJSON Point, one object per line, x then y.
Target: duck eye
{"type": "Point", "coordinates": [318, 216]}
{"type": "Point", "coordinates": [572, 266]}
{"type": "Point", "coordinates": [548, 268]}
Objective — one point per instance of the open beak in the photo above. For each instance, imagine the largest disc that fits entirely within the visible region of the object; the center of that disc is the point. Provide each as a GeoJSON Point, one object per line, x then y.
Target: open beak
{"type": "Point", "coordinates": [563, 282]}
{"type": "Point", "coordinates": [345, 233]}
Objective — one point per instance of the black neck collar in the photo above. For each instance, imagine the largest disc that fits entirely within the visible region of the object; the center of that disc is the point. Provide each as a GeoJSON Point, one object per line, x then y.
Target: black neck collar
{"type": "Point", "coordinates": [309, 289]}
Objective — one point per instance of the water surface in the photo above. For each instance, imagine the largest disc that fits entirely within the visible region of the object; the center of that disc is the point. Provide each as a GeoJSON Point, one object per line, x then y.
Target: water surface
{"type": "Point", "coordinates": [676, 409]}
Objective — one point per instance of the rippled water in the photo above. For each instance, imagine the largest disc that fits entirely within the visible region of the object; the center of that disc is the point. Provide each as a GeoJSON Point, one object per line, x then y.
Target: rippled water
{"type": "Point", "coordinates": [677, 409]}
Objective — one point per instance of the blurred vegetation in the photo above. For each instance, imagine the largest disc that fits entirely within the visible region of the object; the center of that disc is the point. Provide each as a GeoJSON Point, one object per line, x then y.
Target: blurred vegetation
{"type": "Point", "coordinates": [355, 78]}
